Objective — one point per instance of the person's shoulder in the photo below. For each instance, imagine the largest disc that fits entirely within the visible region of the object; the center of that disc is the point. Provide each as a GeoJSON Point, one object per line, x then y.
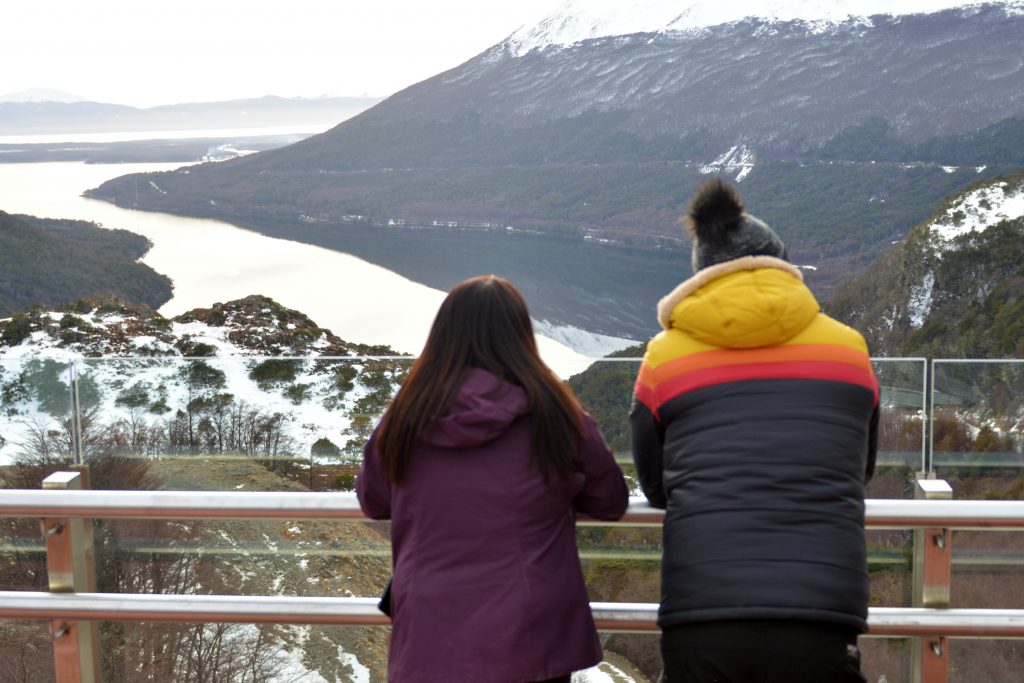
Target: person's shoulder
{"type": "Point", "coordinates": [671, 344]}
{"type": "Point", "coordinates": [827, 330]}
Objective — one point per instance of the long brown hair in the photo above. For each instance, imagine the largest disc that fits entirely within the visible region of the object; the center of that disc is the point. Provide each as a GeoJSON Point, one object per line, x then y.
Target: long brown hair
{"type": "Point", "coordinates": [483, 323]}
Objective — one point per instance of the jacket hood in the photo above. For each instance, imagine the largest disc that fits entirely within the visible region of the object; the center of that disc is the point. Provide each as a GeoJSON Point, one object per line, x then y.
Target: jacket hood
{"type": "Point", "coordinates": [745, 303]}
{"type": "Point", "coordinates": [481, 410]}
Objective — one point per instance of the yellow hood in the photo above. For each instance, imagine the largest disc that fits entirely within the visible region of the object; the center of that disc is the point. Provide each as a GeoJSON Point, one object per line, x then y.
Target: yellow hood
{"type": "Point", "coordinates": [741, 304]}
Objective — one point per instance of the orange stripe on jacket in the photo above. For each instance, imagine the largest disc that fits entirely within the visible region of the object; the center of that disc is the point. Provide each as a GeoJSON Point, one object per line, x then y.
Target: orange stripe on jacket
{"type": "Point", "coordinates": [654, 394]}
{"type": "Point", "coordinates": [828, 353]}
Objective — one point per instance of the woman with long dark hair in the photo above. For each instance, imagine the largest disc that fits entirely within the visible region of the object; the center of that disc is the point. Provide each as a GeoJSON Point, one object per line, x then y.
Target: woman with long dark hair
{"type": "Point", "coordinates": [482, 461]}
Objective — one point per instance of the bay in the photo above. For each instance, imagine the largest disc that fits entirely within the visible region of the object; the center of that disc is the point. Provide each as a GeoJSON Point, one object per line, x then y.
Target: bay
{"type": "Point", "coordinates": [212, 261]}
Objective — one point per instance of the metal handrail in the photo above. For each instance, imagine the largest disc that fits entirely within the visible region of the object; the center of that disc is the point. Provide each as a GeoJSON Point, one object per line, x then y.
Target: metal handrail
{"type": "Point", "coordinates": [879, 513]}
{"type": "Point", "coordinates": [74, 609]}
{"type": "Point", "coordinates": [632, 617]}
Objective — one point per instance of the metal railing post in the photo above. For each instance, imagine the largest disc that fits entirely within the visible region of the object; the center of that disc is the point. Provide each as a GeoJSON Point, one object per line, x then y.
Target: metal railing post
{"type": "Point", "coordinates": [76, 417]}
{"type": "Point", "coordinates": [933, 567]}
{"type": "Point", "coordinates": [71, 569]}
{"type": "Point", "coordinates": [930, 417]}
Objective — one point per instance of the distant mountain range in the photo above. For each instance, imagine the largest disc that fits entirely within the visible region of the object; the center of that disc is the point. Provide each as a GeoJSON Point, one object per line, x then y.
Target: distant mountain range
{"type": "Point", "coordinates": [844, 133]}
{"type": "Point", "coordinates": [41, 95]}
{"type": "Point", "coordinates": [31, 113]}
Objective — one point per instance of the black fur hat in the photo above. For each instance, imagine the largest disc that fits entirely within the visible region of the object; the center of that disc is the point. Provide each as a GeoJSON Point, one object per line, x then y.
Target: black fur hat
{"type": "Point", "coordinates": [722, 231]}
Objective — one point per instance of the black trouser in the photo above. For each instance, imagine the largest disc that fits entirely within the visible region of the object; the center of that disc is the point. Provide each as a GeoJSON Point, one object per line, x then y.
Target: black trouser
{"type": "Point", "coordinates": [760, 651]}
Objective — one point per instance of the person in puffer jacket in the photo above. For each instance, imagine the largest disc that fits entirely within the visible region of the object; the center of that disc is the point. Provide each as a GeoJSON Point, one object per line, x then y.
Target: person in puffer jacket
{"type": "Point", "coordinates": [755, 428]}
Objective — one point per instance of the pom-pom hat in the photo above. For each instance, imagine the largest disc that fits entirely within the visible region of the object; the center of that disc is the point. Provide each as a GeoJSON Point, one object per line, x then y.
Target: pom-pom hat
{"type": "Point", "coordinates": [722, 231]}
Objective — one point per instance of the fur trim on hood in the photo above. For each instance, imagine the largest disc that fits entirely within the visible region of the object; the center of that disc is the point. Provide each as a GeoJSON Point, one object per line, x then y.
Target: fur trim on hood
{"type": "Point", "coordinates": [706, 275]}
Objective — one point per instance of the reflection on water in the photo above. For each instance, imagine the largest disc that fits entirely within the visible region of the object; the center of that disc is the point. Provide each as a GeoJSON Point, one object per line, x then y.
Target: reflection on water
{"type": "Point", "coordinates": [211, 261]}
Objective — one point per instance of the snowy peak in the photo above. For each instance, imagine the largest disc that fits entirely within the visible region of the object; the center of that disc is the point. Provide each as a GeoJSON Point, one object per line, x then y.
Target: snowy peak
{"type": "Point", "coordinates": [578, 20]}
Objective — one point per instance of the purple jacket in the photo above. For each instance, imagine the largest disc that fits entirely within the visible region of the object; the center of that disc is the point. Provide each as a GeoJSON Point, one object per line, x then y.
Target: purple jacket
{"type": "Point", "coordinates": [487, 582]}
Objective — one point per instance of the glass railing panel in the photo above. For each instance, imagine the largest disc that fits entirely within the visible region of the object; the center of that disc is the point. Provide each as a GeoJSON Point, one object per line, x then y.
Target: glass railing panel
{"type": "Point", "coordinates": [901, 425]}
{"type": "Point", "coordinates": [24, 645]}
{"type": "Point", "coordinates": [992, 661]}
{"type": "Point", "coordinates": [978, 427]}
{"type": "Point", "coordinates": [988, 572]}
{"type": "Point", "coordinates": [314, 558]}
{"type": "Point", "coordinates": [977, 439]}
{"type": "Point", "coordinates": [901, 434]}
{"type": "Point", "coordinates": [36, 431]}
{"type": "Point", "coordinates": [886, 659]}
{"type": "Point", "coordinates": [36, 427]}
{"type": "Point", "coordinates": [233, 423]}
{"type": "Point", "coordinates": [299, 424]}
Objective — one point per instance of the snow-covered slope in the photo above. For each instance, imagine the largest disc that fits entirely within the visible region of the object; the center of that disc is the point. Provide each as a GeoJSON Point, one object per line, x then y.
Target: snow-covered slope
{"type": "Point", "coordinates": [578, 20]}
{"type": "Point", "coordinates": [958, 226]}
{"type": "Point", "coordinates": [140, 393]}
{"type": "Point", "coordinates": [977, 210]}
{"type": "Point", "coordinates": [954, 281]}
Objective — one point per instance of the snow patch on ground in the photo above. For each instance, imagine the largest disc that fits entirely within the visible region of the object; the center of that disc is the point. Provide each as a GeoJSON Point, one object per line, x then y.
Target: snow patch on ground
{"type": "Point", "coordinates": [739, 159]}
{"type": "Point", "coordinates": [920, 302]}
{"type": "Point", "coordinates": [360, 673]}
{"type": "Point", "coordinates": [605, 672]}
{"type": "Point", "coordinates": [978, 210]}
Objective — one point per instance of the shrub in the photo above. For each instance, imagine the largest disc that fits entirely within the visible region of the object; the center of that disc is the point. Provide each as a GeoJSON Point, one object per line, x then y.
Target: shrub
{"type": "Point", "coordinates": [135, 396]}
{"type": "Point", "coordinates": [274, 371]}
{"type": "Point", "coordinates": [345, 481]}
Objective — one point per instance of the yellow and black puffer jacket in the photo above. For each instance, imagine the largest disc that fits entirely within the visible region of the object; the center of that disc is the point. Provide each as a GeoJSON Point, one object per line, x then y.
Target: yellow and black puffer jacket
{"type": "Point", "coordinates": [755, 427]}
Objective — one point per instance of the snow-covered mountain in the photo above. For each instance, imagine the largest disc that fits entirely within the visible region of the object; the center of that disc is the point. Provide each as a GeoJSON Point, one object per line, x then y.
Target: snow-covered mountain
{"type": "Point", "coordinates": [952, 288]}
{"type": "Point", "coordinates": [583, 129]}
{"type": "Point", "coordinates": [578, 20]}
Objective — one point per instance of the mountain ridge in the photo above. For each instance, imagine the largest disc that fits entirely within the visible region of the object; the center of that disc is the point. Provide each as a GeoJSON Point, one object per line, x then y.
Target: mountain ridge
{"type": "Point", "coordinates": [601, 142]}
{"type": "Point", "coordinates": [578, 20]}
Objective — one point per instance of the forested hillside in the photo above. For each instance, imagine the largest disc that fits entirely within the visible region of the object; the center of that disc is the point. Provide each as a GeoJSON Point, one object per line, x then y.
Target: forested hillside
{"type": "Point", "coordinates": [49, 261]}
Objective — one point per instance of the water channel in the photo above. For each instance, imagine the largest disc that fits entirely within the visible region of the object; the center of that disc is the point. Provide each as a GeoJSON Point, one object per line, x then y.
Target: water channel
{"type": "Point", "coordinates": [212, 261]}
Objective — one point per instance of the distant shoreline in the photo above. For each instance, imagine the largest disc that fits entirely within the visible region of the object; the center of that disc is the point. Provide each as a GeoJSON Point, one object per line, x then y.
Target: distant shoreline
{"type": "Point", "coordinates": [171, 147]}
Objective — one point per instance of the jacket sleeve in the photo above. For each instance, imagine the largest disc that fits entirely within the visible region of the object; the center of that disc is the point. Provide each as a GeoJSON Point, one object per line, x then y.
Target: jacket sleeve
{"type": "Point", "coordinates": [373, 489]}
{"type": "Point", "coordinates": [648, 437]}
{"type": "Point", "coordinates": [869, 470]}
{"type": "Point", "coordinates": [605, 495]}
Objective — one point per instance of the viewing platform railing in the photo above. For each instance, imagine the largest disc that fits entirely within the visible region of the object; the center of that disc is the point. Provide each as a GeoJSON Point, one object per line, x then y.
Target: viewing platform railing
{"type": "Point", "coordinates": [73, 606]}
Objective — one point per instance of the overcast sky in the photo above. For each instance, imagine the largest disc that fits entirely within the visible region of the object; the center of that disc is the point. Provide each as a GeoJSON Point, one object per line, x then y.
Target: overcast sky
{"type": "Point", "coordinates": [146, 53]}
